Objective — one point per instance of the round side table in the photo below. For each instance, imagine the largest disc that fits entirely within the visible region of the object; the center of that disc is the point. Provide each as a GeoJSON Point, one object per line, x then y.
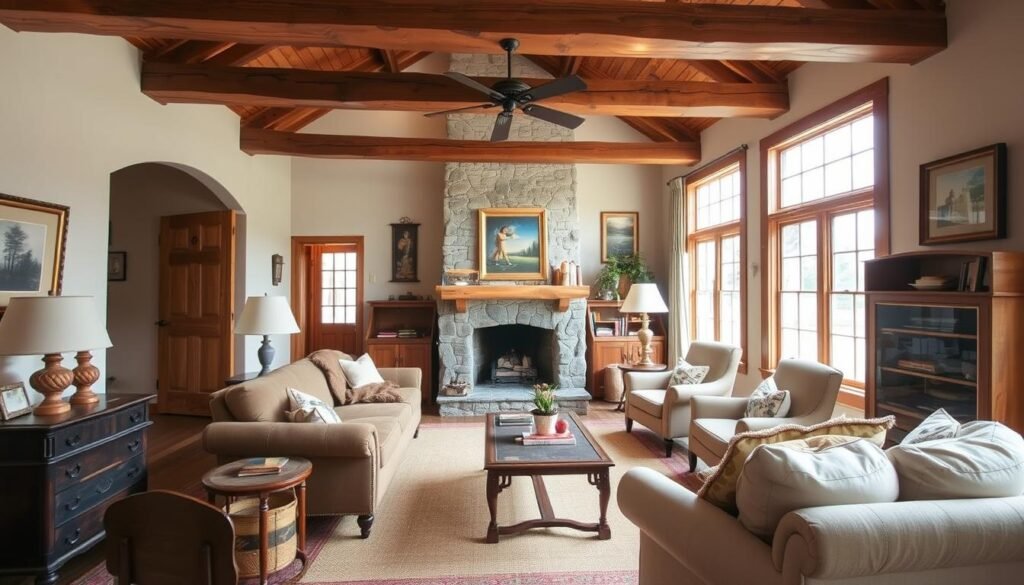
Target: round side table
{"type": "Point", "coordinates": [224, 481]}
{"type": "Point", "coordinates": [627, 368]}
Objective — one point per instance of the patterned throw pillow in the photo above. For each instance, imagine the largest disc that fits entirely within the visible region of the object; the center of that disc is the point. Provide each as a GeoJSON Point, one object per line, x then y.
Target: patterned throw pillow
{"type": "Point", "coordinates": [720, 488]}
{"type": "Point", "coordinates": [306, 408]}
{"type": "Point", "coordinates": [684, 373]}
{"type": "Point", "coordinates": [767, 401]}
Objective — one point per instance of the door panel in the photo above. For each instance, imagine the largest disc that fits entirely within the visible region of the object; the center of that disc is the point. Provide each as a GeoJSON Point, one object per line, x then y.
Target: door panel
{"type": "Point", "coordinates": [197, 267]}
{"type": "Point", "coordinates": [335, 298]}
{"type": "Point", "coordinates": [384, 355]}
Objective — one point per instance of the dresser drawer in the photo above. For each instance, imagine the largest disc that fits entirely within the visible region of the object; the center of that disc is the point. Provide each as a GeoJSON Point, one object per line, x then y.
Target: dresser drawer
{"type": "Point", "coordinates": [80, 498]}
{"type": "Point", "coordinates": [83, 466]}
{"type": "Point", "coordinates": [73, 534]}
{"type": "Point", "coordinates": [75, 437]}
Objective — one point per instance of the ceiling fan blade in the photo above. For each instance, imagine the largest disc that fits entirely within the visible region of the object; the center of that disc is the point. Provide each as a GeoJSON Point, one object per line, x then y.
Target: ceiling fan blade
{"type": "Point", "coordinates": [502, 127]}
{"type": "Point", "coordinates": [470, 82]}
{"type": "Point", "coordinates": [553, 116]}
{"type": "Point", "coordinates": [559, 86]}
{"type": "Point", "coordinates": [458, 110]}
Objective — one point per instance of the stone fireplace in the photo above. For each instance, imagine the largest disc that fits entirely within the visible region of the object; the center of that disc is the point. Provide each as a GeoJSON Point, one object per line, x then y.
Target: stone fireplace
{"type": "Point", "coordinates": [469, 340]}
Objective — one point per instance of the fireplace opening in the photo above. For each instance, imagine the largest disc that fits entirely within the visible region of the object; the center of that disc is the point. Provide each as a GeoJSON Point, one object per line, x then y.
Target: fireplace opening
{"type": "Point", "coordinates": [513, 355]}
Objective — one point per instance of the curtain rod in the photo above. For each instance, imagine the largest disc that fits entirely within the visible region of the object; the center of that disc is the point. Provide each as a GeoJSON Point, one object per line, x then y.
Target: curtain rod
{"type": "Point", "coordinates": [740, 148]}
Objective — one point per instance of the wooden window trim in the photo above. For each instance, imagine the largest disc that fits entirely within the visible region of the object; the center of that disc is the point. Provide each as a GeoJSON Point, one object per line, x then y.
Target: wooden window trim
{"type": "Point", "coordinates": [877, 198]}
{"type": "Point", "coordinates": [717, 232]}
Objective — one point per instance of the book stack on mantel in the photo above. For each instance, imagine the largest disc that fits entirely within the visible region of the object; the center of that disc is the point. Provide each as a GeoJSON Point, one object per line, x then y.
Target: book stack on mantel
{"type": "Point", "coordinates": [566, 438]}
{"type": "Point", "coordinates": [516, 419]}
{"type": "Point", "coordinates": [262, 466]}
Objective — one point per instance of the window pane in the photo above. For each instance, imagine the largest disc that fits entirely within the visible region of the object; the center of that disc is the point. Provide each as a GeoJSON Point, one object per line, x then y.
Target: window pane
{"type": "Point", "coordinates": [863, 134]}
{"type": "Point", "coordinates": [859, 316]}
{"type": "Point", "coordinates": [835, 163]}
{"type": "Point", "coordinates": [791, 161]}
{"type": "Point", "coordinates": [843, 355]}
{"type": "Point", "coordinates": [812, 153]}
{"type": "Point", "coordinates": [327, 315]}
{"type": "Point", "coordinates": [813, 184]}
{"type": "Point", "coordinates": [350, 279]}
{"type": "Point", "coordinates": [327, 279]}
{"type": "Point", "coordinates": [791, 191]}
{"type": "Point", "coordinates": [790, 343]}
{"type": "Point", "coordinates": [350, 314]}
{"type": "Point", "coordinates": [790, 241]}
{"type": "Point", "coordinates": [809, 273]}
{"type": "Point", "coordinates": [837, 177]}
{"type": "Point", "coordinates": [327, 260]}
{"type": "Point", "coordinates": [339, 261]}
{"type": "Point", "coordinates": [864, 170]}
{"type": "Point", "coordinates": [866, 229]}
{"type": "Point", "coordinates": [844, 271]}
{"type": "Point", "coordinates": [718, 200]}
{"type": "Point", "coordinates": [843, 314]}
{"type": "Point", "coordinates": [844, 233]}
{"type": "Point", "coordinates": [328, 297]}
{"type": "Point", "coordinates": [809, 345]}
{"type": "Point", "coordinates": [789, 310]}
{"type": "Point", "coordinates": [791, 274]}
{"type": "Point", "coordinates": [837, 144]}
{"type": "Point", "coordinates": [339, 315]}
{"type": "Point", "coordinates": [809, 238]}
{"type": "Point", "coordinates": [808, 311]}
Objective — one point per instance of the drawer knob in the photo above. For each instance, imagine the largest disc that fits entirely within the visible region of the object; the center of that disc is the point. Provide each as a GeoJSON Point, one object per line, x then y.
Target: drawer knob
{"type": "Point", "coordinates": [72, 506]}
{"type": "Point", "coordinates": [74, 472]}
{"type": "Point", "coordinates": [105, 486]}
{"type": "Point", "coordinates": [133, 472]}
{"type": "Point", "coordinates": [135, 417]}
{"type": "Point", "coordinates": [71, 540]}
{"type": "Point", "coordinates": [73, 441]}
{"type": "Point", "coordinates": [134, 445]}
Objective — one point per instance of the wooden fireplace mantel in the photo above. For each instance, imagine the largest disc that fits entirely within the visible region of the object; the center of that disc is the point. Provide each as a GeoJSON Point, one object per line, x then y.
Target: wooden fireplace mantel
{"type": "Point", "coordinates": [522, 292]}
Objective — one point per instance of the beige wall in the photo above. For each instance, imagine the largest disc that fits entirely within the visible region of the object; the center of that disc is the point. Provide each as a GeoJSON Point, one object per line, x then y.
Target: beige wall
{"type": "Point", "coordinates": [966, 97]}
{"type": "Point", "coordinates": [71, 114]}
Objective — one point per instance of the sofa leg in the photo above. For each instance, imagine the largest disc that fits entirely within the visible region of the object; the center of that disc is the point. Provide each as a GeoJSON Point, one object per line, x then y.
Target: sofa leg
{"type": "Point", "coordinates": [669, 443]}
{"type": "Point", "coordinates": [416, 435]}
{"type": "Point", "coordinates": [693, 462]}
{"type": "Point", "coordinates": [365, 522]}
{"type": "Point", "coordinates": [629, 425]}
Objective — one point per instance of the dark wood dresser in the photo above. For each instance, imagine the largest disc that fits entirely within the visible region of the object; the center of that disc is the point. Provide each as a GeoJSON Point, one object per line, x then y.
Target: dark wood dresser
{"type": "Point", "coordinates": [58, 474]}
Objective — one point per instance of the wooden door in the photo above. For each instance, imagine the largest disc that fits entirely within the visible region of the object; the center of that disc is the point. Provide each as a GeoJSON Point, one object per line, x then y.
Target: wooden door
{"type": "Point", "coordinates": [197, 300]}
{"type": "Point", "coordinates": [335, 298]}
{"type": "Point", "coordinates": [384, 355]}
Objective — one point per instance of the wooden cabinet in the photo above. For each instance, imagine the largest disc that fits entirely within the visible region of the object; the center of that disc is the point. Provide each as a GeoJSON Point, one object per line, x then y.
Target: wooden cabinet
{"type": "Point", "coordinates": [619, 347]}
{"type": "Point", "coordinates": [58, 474]}
{"type": "Point", "coordinates": [957, 350]}
{"type": "Point", "coordinates": [401, 335]}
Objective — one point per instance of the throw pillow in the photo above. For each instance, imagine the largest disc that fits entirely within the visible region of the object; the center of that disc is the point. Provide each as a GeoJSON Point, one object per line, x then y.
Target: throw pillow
{"type": "Point", "coordinates": [767, 401]}
{"type": "Point", "coordinates": [984, 460]}
{"type": "Point", "coordinates": [306, 408]}
{"type": "Point", "coordinates": [361, 371]}
{"type": "Point", "coordinates": [819, 471]}
{"type": "Point", "coordinates": [328, 360]}
{"type": "Point", "coordinates": [720, 489]}
{"type": "Point", "coordinates": [685, 373]}
{"type": "Point", "coordinates": [938, 425]}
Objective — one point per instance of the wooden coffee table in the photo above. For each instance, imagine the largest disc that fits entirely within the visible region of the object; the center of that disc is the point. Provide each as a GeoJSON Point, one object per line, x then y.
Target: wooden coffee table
{"type": "Point", "coordinates": [505, 458]}
{"type": "Point", "coordinates": [224, 481]}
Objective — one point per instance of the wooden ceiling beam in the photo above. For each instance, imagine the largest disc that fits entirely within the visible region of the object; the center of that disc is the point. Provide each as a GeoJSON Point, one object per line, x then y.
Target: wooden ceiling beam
{"type": "Point", "coordinates": [240, 54]}
{"type": "Point", "coordinates": [717, 71]}
{"type": "Point", "coordinates": [753, 71]}
{"type": "Point", "coordinates": [570, 65]}
{"type": "Point", "coordinates": [388, 60]}
{"type": "Point", "coordinates": [423, 92]}
{"type": "Point", "coordinates": [608, 28]}
{"type": "Point", "coordinates": [256, 141]}
{"type": "Point", "coordinates": [660, 131]}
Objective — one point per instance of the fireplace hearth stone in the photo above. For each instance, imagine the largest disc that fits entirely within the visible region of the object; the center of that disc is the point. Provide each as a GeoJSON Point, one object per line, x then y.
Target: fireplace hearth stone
{"type": "Point", "coordinates": [485, 398]}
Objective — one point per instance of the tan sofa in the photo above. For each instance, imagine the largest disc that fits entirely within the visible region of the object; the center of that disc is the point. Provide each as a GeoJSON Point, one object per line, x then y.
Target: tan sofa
{"type": "Point", "coordinates": [687, 541]}
{"type": "Point", "coordinates": [353, 462]}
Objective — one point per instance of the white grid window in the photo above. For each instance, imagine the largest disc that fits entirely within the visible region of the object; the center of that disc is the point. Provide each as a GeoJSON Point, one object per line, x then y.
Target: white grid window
{"type": "Point", "coordinates": [837, 162]}
{"type": "Point", "coordinates": [718, 200]}
{"type": "Point", "coordinates": [729, 291]}
{"type": "Point", "coordinates": [798, 299]}
{"type": "Point", "coordinates": [853, 242]}
{"type": "Point", "coordinates": [338, 285]}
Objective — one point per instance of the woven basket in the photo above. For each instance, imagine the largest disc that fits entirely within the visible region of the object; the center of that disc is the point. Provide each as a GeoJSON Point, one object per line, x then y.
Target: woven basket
{"type": "Point", "coordinates": [613, 383]}
{"type": "Point", "coordinates": [245, 515]}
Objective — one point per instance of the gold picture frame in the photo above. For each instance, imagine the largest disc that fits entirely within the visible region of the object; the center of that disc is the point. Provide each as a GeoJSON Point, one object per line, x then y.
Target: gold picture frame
{"type": "Point", "coordinates": [33, 234]}
{"type": "Point", "coordinates": [512, 243]}
{"type": "Point", "coordinates": [621, 231]}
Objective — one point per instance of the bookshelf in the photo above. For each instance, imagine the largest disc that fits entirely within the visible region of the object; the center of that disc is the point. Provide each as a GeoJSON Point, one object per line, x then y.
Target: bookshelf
{"type": "Point", "coordinates": [611, 339]}
{"type": "Point", "coordinates": [401, 335]}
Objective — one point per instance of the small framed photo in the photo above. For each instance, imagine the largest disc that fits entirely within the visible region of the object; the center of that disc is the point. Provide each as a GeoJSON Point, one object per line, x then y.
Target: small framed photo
{"type": "Point", "coordinates": [620, 234]}
{"type": "Point", "coordinates": [14, 401]}
{"type": "Point", "coordinates": [963, 197]}
{"type": "Point", "coordinates": [117, 266]}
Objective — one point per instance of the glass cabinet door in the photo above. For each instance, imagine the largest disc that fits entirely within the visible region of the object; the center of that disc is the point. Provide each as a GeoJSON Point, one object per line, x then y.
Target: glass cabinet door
{"type": "Point", "coordinates": [926, 358]}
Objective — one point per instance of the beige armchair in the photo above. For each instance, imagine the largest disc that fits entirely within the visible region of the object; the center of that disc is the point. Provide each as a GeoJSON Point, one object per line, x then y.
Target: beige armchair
{"type": "Point", "coordinates": [666, 410]}
{"type": "Point", "coordinates": [813, 389]}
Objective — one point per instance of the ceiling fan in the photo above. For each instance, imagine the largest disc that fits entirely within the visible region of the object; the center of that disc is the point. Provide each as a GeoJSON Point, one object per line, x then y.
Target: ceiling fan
{"type": "Point", "coordinates": [510, 93]}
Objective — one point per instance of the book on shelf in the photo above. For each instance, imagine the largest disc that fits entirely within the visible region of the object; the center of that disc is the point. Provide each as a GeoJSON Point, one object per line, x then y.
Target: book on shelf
{"type": "Point", "coordinates": [384, 334]}
{"type": "Point", "coordinates": [515, 420]}
{"type": "Point", "coordinates": [566, 438]}
{"type": "Point", "coordinates": [604, 332]}
{"type": "Point", "coordinates": [262, 466]}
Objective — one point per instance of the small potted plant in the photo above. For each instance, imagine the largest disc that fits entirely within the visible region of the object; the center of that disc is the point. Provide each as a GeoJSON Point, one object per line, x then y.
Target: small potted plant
{"type": "Point", "coordinates": [545, 415]}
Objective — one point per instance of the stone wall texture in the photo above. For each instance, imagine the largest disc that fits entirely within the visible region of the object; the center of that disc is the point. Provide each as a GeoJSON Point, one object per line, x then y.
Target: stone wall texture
{"type": "Point", "coordinates": [473, 186]}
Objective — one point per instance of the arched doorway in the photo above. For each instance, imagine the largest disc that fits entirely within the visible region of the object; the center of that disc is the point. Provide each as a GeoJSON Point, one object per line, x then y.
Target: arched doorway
{"type": "Point", "coordinates": [169, 314]}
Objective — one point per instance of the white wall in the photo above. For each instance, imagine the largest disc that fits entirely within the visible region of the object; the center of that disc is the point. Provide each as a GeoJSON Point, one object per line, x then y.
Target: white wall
{"type": "Point", "coordinates": [966, 97]}
{"type": "Point", "coordinates": [71, 114]}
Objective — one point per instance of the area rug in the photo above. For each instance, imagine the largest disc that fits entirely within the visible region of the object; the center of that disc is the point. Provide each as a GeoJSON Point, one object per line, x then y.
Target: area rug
{"type": "Point", "coordinates": [431, 526]}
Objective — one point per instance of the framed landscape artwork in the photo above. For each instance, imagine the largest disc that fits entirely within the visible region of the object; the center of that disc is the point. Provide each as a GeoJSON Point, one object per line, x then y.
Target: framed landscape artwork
{"type": "Point", "coordinates": [405, 243]}
{"type": "Point", "coordinates": [513, 244]}
{"type": "Point", "coordinates": [117, 266]}
{"type": "Point", "coordinates": [620, 234]}
{"type": "Point", "coordinates": [963, 197]}
{"type": "Point", "coordinates": [33, 235]}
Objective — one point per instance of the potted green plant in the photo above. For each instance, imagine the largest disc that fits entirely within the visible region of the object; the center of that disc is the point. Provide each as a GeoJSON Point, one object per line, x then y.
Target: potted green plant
{"type": "Point", "coordinates": [607, 283]}
{"type": "Point", "coordinates": [545, 415]}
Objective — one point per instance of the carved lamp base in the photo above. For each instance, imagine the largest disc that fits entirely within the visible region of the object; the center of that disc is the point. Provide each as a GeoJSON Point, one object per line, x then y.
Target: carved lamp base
{"type": "Point", "coordinates": [85, 375]}
{"type": "Point", "coordinates": [51, 381]}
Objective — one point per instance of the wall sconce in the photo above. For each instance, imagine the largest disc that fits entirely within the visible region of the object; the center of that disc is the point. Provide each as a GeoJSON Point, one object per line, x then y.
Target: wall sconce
{"type": "Point", "coordinates": [276, 269]}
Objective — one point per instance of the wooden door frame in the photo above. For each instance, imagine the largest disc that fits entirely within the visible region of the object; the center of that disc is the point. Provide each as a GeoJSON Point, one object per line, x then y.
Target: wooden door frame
{"type": "Point", "coordinates": [300, 293]}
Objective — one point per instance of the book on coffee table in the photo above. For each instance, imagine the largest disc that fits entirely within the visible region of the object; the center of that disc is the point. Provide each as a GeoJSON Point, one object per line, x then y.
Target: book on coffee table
{"type": "Point", "coordinates": [566, 438]}
{"type": "Point", "coordinates": [515, 420]}
{"type": "Point", "coordinates": [262, 466]}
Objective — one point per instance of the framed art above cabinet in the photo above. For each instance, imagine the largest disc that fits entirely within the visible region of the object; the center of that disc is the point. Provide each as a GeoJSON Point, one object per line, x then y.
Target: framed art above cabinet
{"type": "Point", "coordinates": [33, 236]}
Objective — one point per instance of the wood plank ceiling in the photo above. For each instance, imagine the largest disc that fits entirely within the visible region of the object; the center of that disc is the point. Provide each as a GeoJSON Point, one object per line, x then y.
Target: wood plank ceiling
{"type": "Point", "coordinates": [199, 50]}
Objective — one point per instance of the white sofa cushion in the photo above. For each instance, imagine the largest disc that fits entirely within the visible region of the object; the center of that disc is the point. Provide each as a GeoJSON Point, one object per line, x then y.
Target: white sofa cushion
{"type": "Point", "coordinates": [361, 371]}
{"type": "Point", "coordinates": [767, 401]}
{"type": "Point", "coordinates": [310, 409]}
{"type": "Point", "coordinates": [984, 460]}
{"type": "Point", "coordinates": [817, 471]}
{"type": "Point", "coordinates": [938, 425]}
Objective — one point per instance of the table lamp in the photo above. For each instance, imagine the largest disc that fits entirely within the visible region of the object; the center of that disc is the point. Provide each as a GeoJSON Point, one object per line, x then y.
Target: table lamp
{"type": "Point", "coordinates": [266, 316]}
{"type": "Point", "coordinates": [644, 298]}
{"type": "Point", "coordinates": [50, 326]}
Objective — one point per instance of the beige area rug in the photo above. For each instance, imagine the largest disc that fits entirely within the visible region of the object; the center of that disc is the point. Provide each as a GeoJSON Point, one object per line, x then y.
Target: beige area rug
{"type": "Point", "coordinates": [432, 523]}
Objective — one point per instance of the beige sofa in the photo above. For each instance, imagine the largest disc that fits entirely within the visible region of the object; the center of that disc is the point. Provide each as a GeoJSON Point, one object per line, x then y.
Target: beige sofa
{"type": "Point", "coordinates": [353, 462]}
{"type": "Point", "coordinates": [687, 541]}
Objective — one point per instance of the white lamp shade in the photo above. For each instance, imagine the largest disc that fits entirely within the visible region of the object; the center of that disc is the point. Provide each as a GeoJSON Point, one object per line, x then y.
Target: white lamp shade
{"type": "Point", "coordinates": [266, 316]}
{"type": "Point", "coordinates": [42, 325]}
{"type": "Point", "coordinates": [644, 297]}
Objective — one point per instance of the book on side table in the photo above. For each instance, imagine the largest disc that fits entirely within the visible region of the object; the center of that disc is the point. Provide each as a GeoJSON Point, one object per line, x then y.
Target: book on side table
{"type": "Point", "coordinates": [262, 466]}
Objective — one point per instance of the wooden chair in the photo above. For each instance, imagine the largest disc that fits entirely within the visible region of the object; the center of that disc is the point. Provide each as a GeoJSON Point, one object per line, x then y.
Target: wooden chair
{"type": "Point", "coordinates": [165, 538]}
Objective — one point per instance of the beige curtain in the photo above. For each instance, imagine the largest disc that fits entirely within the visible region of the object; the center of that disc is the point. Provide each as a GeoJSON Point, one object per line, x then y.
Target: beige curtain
{"type": "Point", "coordinates": [678, 290]}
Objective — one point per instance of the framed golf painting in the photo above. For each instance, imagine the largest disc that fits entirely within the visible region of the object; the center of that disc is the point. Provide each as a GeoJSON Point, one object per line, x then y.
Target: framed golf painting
{"type": "Point", "coordinates": [620, 234]}
{"type": "Point", "coordinates": [963, 197]}
{"type": "Point", "coordinates": [513, 244]}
